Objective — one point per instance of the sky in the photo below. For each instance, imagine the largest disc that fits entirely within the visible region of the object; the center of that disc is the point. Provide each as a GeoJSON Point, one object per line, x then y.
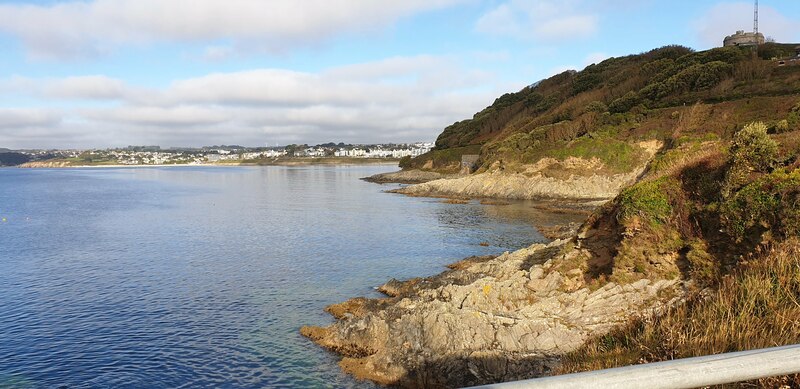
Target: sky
{"type": "Point", "coordinates": [112, 73]}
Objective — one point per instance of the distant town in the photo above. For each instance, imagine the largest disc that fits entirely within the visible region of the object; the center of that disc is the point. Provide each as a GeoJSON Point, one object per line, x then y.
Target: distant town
{"type": "Point", "coordinates": [155, 155]}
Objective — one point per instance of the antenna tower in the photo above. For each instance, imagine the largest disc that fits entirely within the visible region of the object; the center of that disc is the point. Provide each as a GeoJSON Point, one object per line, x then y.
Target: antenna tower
{"type": "Point", "coordinates": [755, 19]}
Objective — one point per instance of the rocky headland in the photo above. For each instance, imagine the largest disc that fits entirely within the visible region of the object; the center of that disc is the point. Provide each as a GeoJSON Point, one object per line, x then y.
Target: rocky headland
{"type": "Point", "coordinates": [486, 320]}
{"type": "Point", "coordinates": [693, 162]}
{"type": "Point", "coordinates": [571, 179]}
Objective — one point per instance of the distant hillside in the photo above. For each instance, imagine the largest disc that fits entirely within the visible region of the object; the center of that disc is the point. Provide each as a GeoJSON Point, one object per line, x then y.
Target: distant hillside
{"type": "Point", "coordinates": [12, 158]}
{"type": "Point", "coordinates": [663, 94]}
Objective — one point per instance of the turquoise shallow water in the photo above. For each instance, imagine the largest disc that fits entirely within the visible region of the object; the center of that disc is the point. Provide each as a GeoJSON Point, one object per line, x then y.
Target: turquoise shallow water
{"type": "Point", "coordinates": [192, 277]}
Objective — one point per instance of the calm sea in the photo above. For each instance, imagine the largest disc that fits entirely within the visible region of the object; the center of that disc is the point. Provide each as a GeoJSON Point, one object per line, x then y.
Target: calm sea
{"type": "Point", "coordinates": [200, 277]}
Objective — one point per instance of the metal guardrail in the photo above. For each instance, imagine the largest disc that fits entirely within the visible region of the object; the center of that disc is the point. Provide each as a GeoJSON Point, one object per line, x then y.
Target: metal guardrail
{"type": "Point", "coordinates": [680, 373]}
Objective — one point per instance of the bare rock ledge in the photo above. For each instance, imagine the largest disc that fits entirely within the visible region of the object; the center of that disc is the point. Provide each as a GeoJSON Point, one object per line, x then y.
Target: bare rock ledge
{"type": "Point", "coordinates": [486, 320]}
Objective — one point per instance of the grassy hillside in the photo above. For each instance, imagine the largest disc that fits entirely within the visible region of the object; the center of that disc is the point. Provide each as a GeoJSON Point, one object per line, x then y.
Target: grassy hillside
{"type": "Point", "coordinates": [646, 96]}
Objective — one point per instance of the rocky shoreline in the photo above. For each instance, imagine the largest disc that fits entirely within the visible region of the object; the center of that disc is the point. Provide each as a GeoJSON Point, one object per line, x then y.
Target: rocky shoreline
{"type": "Point", "coordinates": [574, 179]}
{"type": "Point", "coordinates": [412, 176]}
{"type": "Point", "coordinates": [523, 187]}
{"type": "Point", "coordinates": [494, 319]}
{"type": "Point", "coordinates": [488, 319]}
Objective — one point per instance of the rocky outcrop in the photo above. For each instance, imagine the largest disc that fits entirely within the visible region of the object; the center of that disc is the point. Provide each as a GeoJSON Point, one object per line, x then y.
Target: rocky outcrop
{"type": "Point", "coordinates": [573, 178]}
{"type": "Point", "coordinates": [486, 320]}
{"type": "Point", "coordinates": [413, 176]}
{"type": "Point", "coordinates": [523, 187]}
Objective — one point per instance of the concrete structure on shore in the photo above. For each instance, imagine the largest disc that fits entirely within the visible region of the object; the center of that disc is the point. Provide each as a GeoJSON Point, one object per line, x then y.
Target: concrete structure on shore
{"type": "Point", "coordinates": [742, 38]}
{"type": "Point", "coordinates": [469, 162]}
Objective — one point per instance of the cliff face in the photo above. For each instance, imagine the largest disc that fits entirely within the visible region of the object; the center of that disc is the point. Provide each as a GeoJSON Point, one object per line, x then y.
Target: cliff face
{"type": "Point", "coordinates": [45, 164]}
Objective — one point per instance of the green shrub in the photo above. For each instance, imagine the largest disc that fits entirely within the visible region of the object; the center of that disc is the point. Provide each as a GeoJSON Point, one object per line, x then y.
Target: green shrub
{"type": "Point", "coordinates": [697, 77]}
{"type": "Point", "coordinates": [586, 80]}
{"type": "Point", "coordinates": [782, 126]}
{"type": "Point", "coordinates": [702, 266]}
{"type": "Point", "coordinates": [624, 103]}
{"type": "Point", "coordinates": [658, 66]}
{"type": "Point", "coordinates": [405, 162]}
{"type": "Point", "coordinates": [596, 106]}
{"type": "Point", "coordinates": [654, 91]}
{"type": "Point", "coordinates": [648, 200]}
{"type": "Point", "coordinates": [771, 203]}
{"type": "Point", "coordinates": [752, 150]}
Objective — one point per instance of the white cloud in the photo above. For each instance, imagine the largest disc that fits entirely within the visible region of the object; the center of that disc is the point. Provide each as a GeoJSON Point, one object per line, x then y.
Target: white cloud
{"type": "Point", "coordinates": [159, 116]}
{"type": "Point", "coordinates": [547, 20]}
{"type": "Point", "coordinates": [726, 18]}
{"type": "Point", "coordinates": [86, 88]}
{"type": "Point", "coordinates": [75, 29]}
{"type": "Point", "coordinates": [395, 99]}
{"type": "Point", "coordinates": [22, 118]}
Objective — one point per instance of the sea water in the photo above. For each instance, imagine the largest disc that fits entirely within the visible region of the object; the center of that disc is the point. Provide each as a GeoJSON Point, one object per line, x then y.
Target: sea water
{"type": "Point", "coordinates": [200, 277]}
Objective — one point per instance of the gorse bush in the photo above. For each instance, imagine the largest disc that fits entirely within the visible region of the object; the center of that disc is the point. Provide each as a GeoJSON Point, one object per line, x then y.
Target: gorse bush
{"type": "Point", "coordinates": [753, 147]}
{"type": "Point", "coordinates": [782, 126]}
{"type": "Point", "coordinates": [769, 204]}
{"type": "Point", "coordinates": [624, 103]}
{"type": "Point", "coordinates": [752, 150]}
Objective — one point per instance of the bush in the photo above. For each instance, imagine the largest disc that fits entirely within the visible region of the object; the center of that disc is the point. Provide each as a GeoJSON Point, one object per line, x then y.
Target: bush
{"type": "Point", "coordinates": [782, 126]}
{"type": "Point", "coordinates": [703, 268]}
{"type": "Point", "coordinates": [793, 120]}
{"type": "Point", "coordinates": [624, 103]}
{"type": "Point", "coordinates": [771, 203]}
{"type": "Point", "coordinates": [405, 162]}
{"type": "Point", "coordinates": [647, 200]}
{"type": "Point", "coordinates": [698, 77]}
{"type": "Point", "coordinates": [752, 150]}
{"type": "Point", "coordinates": [586, 80]}
{"type": "Point", "coordinates": [596, 106]}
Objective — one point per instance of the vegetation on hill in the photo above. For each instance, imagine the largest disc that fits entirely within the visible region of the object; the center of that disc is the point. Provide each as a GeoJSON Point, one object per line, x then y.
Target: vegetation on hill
{"type": "Point", "coordinates": [636, 97]}
{"type": "Point", "coordinates": [13, 159]}
{"type": "Point", "coordinates": [724, 216]}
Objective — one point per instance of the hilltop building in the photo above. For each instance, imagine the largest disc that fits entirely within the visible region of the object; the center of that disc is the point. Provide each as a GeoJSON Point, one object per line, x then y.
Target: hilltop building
{"type": "Point", "coordinates": [742, 38]}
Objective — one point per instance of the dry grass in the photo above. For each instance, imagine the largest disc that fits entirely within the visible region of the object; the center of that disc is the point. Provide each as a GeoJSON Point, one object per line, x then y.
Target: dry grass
{"type": "Point", "coordinates": [755, 307]}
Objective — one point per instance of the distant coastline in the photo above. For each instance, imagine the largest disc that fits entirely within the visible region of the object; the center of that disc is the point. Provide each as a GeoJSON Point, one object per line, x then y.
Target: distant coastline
{"type": "Point", "coordinates": [276, 162]}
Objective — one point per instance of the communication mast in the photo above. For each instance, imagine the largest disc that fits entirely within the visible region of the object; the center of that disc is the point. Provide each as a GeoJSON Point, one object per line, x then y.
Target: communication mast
{"type": "Point", "coordinates": [755, 19]}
